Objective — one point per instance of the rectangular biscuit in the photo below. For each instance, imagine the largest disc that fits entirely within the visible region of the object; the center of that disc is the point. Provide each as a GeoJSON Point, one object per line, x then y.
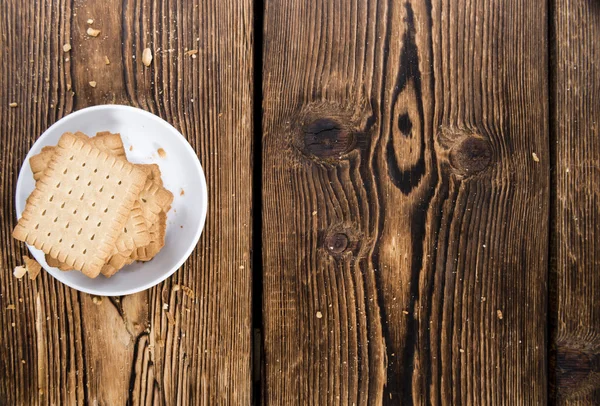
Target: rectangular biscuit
{"type": "Point", "coordinates": [135, 232]}
{"type": "Point", "coordinates": [154, 196]}
{"type": "Point", "coordinates": [80, 205]}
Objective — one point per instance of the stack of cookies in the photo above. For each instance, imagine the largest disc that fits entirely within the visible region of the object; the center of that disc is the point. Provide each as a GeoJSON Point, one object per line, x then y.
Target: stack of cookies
{"type": "Point", "coordinates": [91, 209]}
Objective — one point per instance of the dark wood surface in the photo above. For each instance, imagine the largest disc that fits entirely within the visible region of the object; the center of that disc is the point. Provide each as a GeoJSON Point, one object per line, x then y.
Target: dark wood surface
{"type": "Point", "coordinates": [402, 202]}
{"type": "Point", "coordinates": [411, 258]}
{"type": "Point", "coordinates": [576, 209]}
{"type": "Point", "coordinates": [63, 348]}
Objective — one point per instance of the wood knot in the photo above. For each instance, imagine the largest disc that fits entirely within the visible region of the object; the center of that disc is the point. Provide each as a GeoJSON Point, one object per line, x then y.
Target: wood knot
{"type": "Point", "coordinates": [336, 243]}
{"type": "Point", "coordinates": [405, 125]}
{"type": "Point", "coordinates": [471, 155]}
{"type": "Point", "coordinates": [326, 138]}
{"type": "Point", "coordinates": [578, 371]}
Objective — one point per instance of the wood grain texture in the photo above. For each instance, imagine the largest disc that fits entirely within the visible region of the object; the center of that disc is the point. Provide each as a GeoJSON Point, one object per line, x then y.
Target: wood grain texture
{"type": "Point", "coordinates": [576, 106]}
{"type": "Point", "coordinates": [63, 348]}
{"type": "Point", "coordinates": [405, 228]}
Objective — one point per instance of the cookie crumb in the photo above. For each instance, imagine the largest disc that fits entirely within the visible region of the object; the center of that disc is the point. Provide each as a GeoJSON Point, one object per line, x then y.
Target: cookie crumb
{"type": "Point", "coordinates": [535, 157]}
{"type": "Point", "coordinates": [191, 52]}
{"type": "Point", "coordinates": [106, 60]}
{"type": "Point", "coordinates": [93, 32]}
{"type": "Point", "coordinates": [19, 272]}
{"type": "Point", "coordinates": [93, 83]}
{"type": "Point", "coordinates": [182, 192]}
{"type": "Point", "coordinates": [131, 147]}
{"type": "Point", "coordinates": [188, 292]}
{"type": "Point", "coordinates": [161, 153]}
{"type": "Point", "coordinates": [165, 306]}
{"type": "Point", "coordinates": [32, 266]}
{"type": "Point", "coordinates": [13, 104]}
{"type": "Point", "coordinates": [176, 288]}
{"type": "Point", "coordinates": [319, 315]}
{"type": "Point", "coordinates": [461, 350]}
{"type": "Point", "coordinates": [499, 314]}
{"type": "Point", "coordinates": [97, 300]}
{"type": "Point", "coordinates": [90, 21]}
{"type": "Point", "coordinates": [66, 47]}
{"type": "Point", "coordinates": [147, 56]}
{"type": "Point", "coordinates": [404, 312]}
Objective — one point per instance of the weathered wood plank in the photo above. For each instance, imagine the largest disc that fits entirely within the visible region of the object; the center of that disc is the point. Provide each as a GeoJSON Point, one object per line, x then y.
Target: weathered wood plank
{"type": "Point", "coordinates": [405, 241]}
{"type": "Point", "coordinates": [63, 348]}
{"type": "Point", "coordinates": [576, 226]}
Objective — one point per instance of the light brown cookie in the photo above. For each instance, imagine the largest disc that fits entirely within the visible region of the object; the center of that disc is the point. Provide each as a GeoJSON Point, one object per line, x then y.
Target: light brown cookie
{"type": "Point", "coordinates": [135, 232]}
{"type": "Point", "coordinates": [80, 205]}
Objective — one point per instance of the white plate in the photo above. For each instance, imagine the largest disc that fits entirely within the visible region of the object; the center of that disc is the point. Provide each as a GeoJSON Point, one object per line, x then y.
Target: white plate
{"type": "Point", "coordinates": [181, 170]}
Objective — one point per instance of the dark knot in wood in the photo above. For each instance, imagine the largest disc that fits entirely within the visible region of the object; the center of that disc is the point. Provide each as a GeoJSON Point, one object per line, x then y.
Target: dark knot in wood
{"type": "Point", "coordinates": [577, 371]}
{"type": "Point", "coordinates": [336, 243]}
{"type": "Point", "coordinates": [405, 125]}
{"type": "Point", "coordinates": [326, 138]}
{"type": "Point", "coordinates": [471, 155]}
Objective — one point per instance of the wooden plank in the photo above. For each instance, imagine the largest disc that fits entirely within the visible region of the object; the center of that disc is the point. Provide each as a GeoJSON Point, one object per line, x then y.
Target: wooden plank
{"type": "Point", "coordinates": [63, 348]}
{"type": "Point", "coordinates": [405, 240]}
{"type": "Point", "coordinates": [576, 209]}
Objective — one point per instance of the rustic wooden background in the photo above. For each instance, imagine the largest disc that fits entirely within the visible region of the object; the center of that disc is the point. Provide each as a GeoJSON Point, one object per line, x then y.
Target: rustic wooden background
{"type": "Point", "coordinates": [404, 202]}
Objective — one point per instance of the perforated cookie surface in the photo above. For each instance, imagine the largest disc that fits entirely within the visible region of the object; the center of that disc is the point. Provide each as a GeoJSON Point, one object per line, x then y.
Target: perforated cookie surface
{"type": "Point", "coordinates": [80, 205]}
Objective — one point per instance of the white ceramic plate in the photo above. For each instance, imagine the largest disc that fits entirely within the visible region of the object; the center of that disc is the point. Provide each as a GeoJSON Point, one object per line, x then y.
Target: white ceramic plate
{"type": "Point", "coordinates": [181, 170]}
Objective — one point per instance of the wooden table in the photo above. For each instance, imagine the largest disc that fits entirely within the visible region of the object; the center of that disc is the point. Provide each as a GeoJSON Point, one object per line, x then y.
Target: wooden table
{"type": "Point", "coordinates": [404, 202]}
